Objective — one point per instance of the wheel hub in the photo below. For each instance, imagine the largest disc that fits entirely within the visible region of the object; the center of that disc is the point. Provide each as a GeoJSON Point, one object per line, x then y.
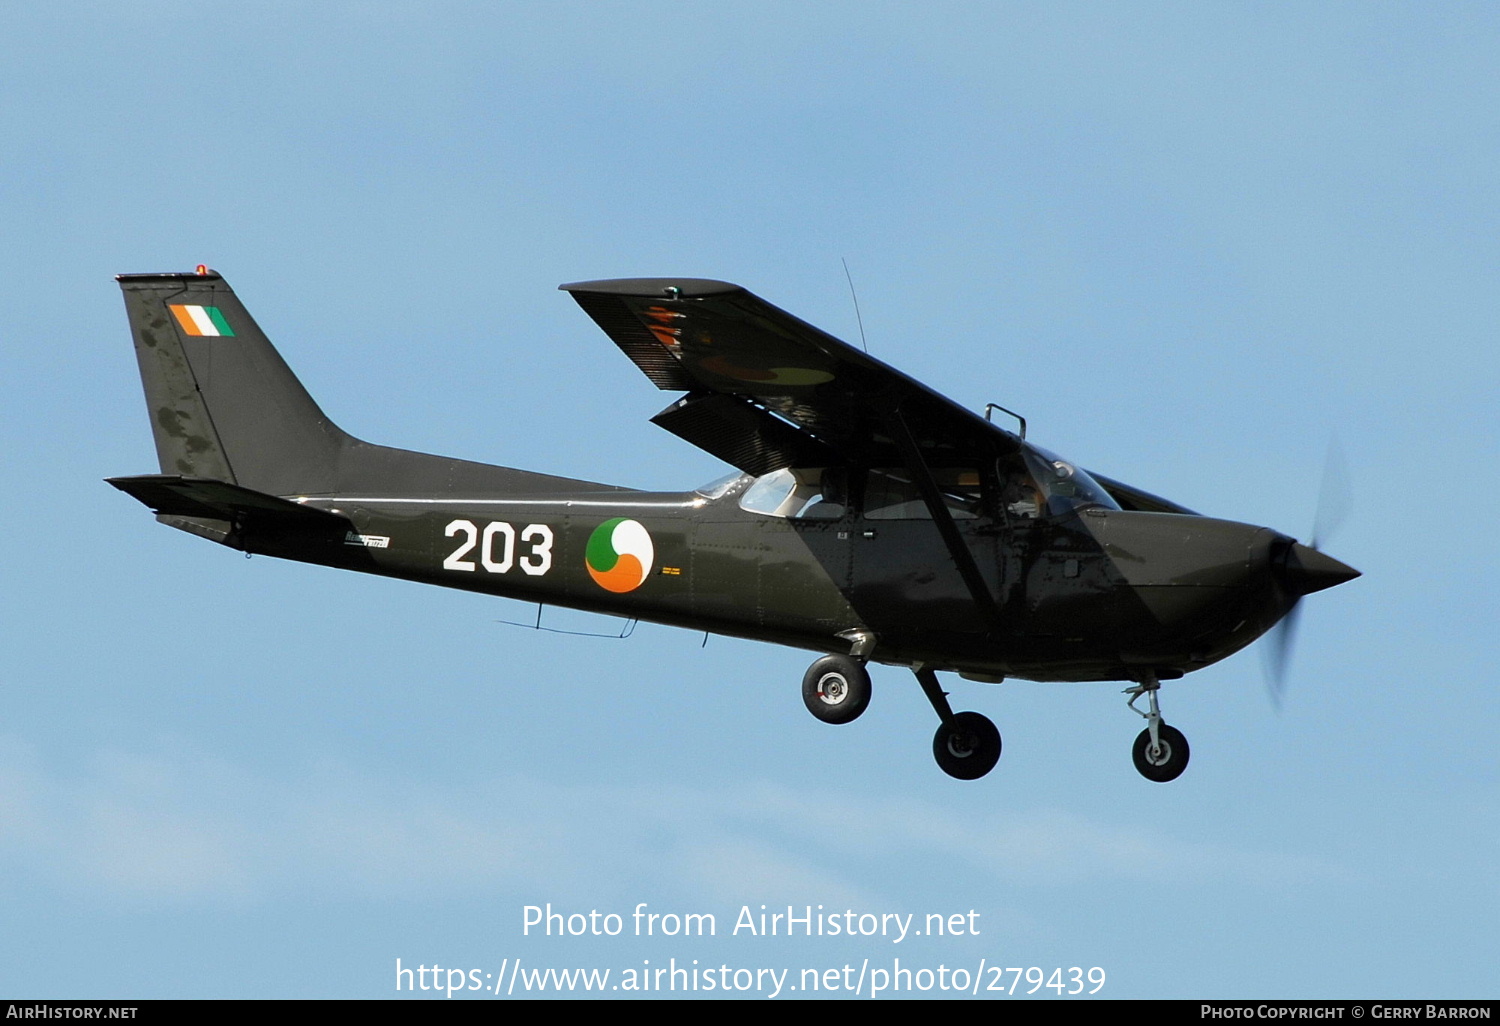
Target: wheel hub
{"type": "Point", "coordinates": [836, 688]}
{"type": "Point", "coordinates": [961, 745]}
{"type": "Point", "coordinates": [833, 689]}
{"type": "Point", "coordinates": [966, 746]}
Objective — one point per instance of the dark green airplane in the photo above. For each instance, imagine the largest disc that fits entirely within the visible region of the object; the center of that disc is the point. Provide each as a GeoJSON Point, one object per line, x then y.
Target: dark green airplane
{"type": "Point", "coordinates": [870, 518]}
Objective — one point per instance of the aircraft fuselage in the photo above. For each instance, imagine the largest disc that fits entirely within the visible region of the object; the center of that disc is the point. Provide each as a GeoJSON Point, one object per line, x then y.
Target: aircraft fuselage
{"type": "Point", "coordinates": [1086, 596]}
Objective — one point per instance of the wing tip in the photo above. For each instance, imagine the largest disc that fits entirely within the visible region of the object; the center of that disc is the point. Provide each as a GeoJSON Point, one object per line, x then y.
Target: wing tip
{"type": "Point", "coordinates": [653, 287]}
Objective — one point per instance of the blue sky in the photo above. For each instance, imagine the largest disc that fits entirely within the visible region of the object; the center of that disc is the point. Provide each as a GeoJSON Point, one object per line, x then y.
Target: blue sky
{"type": "Point", "coordinates": [1190, 242]}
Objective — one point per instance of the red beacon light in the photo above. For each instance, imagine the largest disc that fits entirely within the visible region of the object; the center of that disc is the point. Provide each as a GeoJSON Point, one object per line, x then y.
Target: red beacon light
{"type": "Point", "coordinates": [202, 268]}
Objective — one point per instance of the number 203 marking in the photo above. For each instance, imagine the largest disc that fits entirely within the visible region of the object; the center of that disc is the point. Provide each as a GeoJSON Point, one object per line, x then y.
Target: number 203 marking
{"type": "Point", "coordinates": [497, 547]}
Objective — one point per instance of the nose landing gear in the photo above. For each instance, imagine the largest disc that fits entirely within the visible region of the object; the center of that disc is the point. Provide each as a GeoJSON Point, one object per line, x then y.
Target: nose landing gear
{"type": "Point", "coordinates": [1160, 752]}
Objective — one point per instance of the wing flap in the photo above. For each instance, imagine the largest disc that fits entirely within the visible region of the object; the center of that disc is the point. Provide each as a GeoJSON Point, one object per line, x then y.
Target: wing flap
{"type": "Point", "coordinates": [742, 434]}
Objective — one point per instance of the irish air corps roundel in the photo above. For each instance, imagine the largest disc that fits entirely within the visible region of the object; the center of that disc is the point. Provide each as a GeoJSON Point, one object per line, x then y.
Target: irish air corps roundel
{"type": "Point", "coordinates": [619, 555]}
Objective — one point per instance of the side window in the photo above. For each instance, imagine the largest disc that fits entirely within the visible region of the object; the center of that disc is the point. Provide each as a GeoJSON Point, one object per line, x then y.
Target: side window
{"type": "Point", "coordinates": [806, 494]}
{"type": "Point", "coordinates": [891, 494]}
{"type": "Point", "coordinates": [831, 500]}
{"type": "Point", "coordinates": [769, 494]}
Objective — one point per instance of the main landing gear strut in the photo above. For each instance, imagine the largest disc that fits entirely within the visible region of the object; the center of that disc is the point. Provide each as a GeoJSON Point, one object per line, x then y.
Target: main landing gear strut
{"type": "Point", "coordinates": [836, 689]}
{"type": "Point", "coordinates": [966, 744]}
{"type": "Point", "coordinates": [1161, 752]}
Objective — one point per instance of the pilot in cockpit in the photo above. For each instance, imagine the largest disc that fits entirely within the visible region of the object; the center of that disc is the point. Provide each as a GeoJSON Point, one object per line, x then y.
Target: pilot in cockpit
{"type": "Point", "coordinates": [1020, 495]}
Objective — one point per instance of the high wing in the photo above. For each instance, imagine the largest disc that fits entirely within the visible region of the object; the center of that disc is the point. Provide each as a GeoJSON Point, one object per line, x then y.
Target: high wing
{"type": "Point", "coordinates": [767, 390]}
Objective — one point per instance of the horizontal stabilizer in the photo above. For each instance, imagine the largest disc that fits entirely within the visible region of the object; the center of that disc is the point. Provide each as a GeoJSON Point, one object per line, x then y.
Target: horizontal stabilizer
{"type": "Point", "coordinates": [216, 500]}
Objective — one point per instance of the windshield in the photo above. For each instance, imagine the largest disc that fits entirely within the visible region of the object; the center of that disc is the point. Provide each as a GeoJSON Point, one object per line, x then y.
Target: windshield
{"type": "Point", "coordinates": [1052, 484]}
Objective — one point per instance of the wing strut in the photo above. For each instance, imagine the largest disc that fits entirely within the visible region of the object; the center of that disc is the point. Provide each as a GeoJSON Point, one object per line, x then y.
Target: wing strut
{"type": "Point", "coordinates": [962, 558]}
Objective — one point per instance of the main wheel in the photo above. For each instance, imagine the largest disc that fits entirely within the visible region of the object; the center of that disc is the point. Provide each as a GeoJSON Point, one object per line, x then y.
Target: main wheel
{"type": "Point", "coordinates": [836, 688]}
{"type": "Point", "coordinates": [967, 746]}
{"type": "Point", "coordinates": [1168, 760]}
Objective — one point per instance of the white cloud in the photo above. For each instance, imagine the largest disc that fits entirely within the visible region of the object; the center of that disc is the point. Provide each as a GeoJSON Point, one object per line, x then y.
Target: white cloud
{"type": "Point", "coordinates": [189, 827]}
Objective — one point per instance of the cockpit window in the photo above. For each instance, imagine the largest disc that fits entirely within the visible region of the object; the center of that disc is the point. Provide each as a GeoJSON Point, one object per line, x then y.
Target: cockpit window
{"type": "Point", "coordinates": [1052, 484]}
{"type": "Point", "coordinates": [1040, 484]}
{"type": "Point", "coordinates": [889, 493]}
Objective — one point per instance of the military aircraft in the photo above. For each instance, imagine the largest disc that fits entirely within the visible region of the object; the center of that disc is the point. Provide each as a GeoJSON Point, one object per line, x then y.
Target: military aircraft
{"type": "Point", "coordinates": [868, 517]}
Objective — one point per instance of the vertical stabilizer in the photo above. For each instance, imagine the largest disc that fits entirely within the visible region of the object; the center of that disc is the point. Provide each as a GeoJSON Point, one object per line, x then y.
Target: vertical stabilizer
{"type": "Point", "coordinates": [223, 404]}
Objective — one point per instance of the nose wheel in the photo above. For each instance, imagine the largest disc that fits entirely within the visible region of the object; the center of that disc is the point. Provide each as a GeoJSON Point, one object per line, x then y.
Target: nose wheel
{"type": "Point", "coordinates": [1160, 752]}
{"type": "Point", "coordinates": [1164, 760]}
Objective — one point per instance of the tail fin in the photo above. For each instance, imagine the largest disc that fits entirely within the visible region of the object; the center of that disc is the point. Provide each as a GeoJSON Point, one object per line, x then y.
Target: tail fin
{"type": "Point", "coordinates": [225, 407]}
{"type": "Point", "coordinates": [223, 403]}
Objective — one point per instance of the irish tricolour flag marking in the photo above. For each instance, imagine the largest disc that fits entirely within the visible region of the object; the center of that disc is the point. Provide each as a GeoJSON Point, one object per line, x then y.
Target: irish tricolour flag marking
{"type": "Point", "coordinates": [201, 320]}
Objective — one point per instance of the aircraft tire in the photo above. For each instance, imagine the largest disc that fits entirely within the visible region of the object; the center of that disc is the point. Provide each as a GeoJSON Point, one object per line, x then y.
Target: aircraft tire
{"type": "Point", "coordinates": [1169, 763]}
{"type": "Point", "coordinates": [836, 688]}
{"type": "Point", "coordinates": [967, 746]}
